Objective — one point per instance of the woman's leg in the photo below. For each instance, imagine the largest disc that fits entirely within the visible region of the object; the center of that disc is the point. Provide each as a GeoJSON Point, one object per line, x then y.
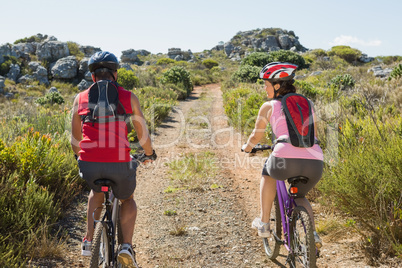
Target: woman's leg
{"type": "Point", "coordinates": [95, 201]}
{"type": "Point", "coordinates": [267, 196]}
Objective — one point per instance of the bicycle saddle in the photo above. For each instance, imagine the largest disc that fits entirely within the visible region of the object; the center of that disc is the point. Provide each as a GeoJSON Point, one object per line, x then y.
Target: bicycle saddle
{"type": "Point", "coordinates": [297, 179]}
{"type": "Point", "coordinates": [104, 182]}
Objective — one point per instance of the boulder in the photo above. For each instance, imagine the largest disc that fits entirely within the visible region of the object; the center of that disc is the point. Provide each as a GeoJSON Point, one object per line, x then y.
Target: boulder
{"type": "Point", "coordinates": [14, 72]}
{"type": "Point", "coordinates": [88, 76]}
{"type": "Point", "coordinates": [284, 41]}
{"type": "Point", "coordinates": [84, 84]}
{"type": "Point", "coordinates": [6, 50]}
{"type": "Point", "coordinates": [52, 51]}
{"type": "Point", "coordinates": [364, 58]}
{"type": "Point", "coordinates": [65, 68]}
{"type": "Point", "coordinates": [126, 66]}
{"type": "Point", "coordinates": [52, 89]}
{"type": "Point", "coordinates": [89, 50]}
{"type": "Point", "coordinates": [26, 79]}
{"type": "Point", "coordinates": [39, 72]}
{"type": "Point", "coordinates": [2, 79]}
{"type": "Point", "coordinates": [22, 50]}
{"type": "Point", "coordinates": [131, 55]}
{"type": "Point", "coordinates": [228, 47]}
{"type": "Point", "coordinates": [378, 71]}
{"type": "Point", "coordinates": [269, 43]}
{"type": "Point", "coordinates": [83, 69]}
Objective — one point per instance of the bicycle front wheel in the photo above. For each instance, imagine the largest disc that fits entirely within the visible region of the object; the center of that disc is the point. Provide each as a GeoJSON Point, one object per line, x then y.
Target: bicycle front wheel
{"type": "Point", "coordinates": [302, 239]}
{"type": "Point", "coordinates": [101, 252]}
{"type": "Point", "coordinates": [272, 244]}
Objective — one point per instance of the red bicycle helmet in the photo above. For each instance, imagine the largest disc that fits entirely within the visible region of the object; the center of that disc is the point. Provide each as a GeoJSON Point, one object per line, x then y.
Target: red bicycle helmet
{"type": "Point", "coordinates": [278, 71]}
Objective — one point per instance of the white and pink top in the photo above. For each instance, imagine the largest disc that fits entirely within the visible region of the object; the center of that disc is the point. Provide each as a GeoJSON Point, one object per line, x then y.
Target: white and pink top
{"type": "Point", "coordinates": [280, 129]}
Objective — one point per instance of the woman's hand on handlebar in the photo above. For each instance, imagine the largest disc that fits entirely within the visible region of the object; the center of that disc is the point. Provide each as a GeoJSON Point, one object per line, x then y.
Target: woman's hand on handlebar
{"type": "Point", "coordinates": [256, 148]}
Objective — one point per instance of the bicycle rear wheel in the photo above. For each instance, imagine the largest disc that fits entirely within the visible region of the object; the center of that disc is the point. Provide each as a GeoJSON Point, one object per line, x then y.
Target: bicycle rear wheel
{"type": "Point", "coordinates": [302, 239]}
{"type": "Point", "coordinates": [271, 244]}
{"type": "Point", "coordinates": [101, 251]}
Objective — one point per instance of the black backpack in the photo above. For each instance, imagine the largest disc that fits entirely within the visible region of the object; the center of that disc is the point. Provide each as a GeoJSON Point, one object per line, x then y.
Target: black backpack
{"type": "Point", "coordinates": [299, 119]}
{"type": "Point", "coordinates": [104, 105]}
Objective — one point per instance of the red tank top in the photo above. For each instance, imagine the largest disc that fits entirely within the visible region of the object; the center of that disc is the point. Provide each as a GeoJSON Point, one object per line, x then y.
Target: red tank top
{"type": "Point", "coordinates": [105, 142]}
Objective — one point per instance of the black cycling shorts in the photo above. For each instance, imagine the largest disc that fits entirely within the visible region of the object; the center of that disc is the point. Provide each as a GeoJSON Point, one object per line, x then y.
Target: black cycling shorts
{"type": "Point", "coordinates": [285, 168]}
{"type": "Point", "coordinates": [122, 174]}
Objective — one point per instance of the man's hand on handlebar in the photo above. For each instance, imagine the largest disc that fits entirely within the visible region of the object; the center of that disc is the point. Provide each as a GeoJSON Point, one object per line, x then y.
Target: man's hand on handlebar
{"type": "Point", "coordinates": [143, 158]}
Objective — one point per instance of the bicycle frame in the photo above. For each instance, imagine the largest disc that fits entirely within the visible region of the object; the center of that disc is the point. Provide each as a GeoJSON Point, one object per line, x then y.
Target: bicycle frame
{"type": "Point", "coordinates": [286, 205]}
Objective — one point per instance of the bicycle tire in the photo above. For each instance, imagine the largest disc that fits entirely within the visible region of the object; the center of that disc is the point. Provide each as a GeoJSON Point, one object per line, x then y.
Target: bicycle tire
{"type": "Point", "coordinates": [271, 244]}
{"type": "Point", "coordinates": [101, 254]}
{"type": "Point", "coordinates": [302, 239]}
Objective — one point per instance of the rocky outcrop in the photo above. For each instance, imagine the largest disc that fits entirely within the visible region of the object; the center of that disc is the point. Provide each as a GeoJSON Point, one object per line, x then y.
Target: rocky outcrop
{"type": "Point", "coordinates": [14, 72]}
{"type": "Point", "coordinates": [378, 71]}
{"type": "Point", "coordinates": [51, 51]}
{"type": "Point", "coordinates": [178, 55]}
{"type": "Point", "coordinates": [131, 56]}
{"type": "Point", "coordinates": [260, 40]}
{"type": "Point", "coordinates": [65, 68]}
{"type": "Point", "coordinates": [6, 50]}
{"type": "Point", "coordinates": [89, 50]}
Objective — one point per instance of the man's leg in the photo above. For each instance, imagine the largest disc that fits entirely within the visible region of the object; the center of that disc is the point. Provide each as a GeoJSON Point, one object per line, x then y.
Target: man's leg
{"type": "Point", "coordinates": [95, 200]}
{"type": "Point", "coordinates": [128, 215]}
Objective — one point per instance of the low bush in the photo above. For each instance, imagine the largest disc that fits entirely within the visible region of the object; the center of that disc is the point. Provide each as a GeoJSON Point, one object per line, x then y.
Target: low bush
{"type": "Point", "coordinates": [247, 73]}
{"type": "Point", "coordinates": [307, 89]}
{"type": "Point", "coordinates": [127, 79]}
{"type": "Point", "coordinates": [165, 61]}
{"type": "Point", "coordinates": [343, 82]}
{"type": "Point", "coordinates": [51, 98]}
{"type": "Point", "coordinates": [74, 49]}
{"type": "Point", "coordinates": [242, 105]}
{"type": "Point", "coordinates": [259, 59]}
{"type": "Point", "coordinates": [210, 63]}
{"type": "Point", "coordinates": [345, 52]}
{"type": "Point", "coordinates": [177, 75]}
{"type": "Point", "coordinates": [396, 72]}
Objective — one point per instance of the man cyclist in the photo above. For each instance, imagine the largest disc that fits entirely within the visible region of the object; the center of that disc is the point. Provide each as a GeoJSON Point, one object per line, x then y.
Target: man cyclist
{"type": "Point", "coordinates": [103, 152]}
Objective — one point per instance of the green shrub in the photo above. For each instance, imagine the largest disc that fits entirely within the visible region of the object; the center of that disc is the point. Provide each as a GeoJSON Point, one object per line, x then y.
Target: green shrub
{"type": "Point", "coordinates": [366, 182]}
{"type": "Point", "coordinates": [345, 52]}
{"type": "Point", "coordinates": [209, 63]}
{"type": "Point", "coordinates": [5, 66]}
{"type": "Point", "coordinates": [247, 73]}
{"type": "Point", "coordinates": [51, 98]}
{"type": "Point", "coordinates": [34, 38]}
{"type": "Point", "coordinates": [39, 179]}
{"type": "Point", "coordinates": [396, 72]}
{"type": "Point", "coordinates": [165, 61]}
{"type": "Point", "coordinates": [242, 105]}
{"type": "Point", "coordinates": [75, 50]}
{"type": "Point", "coordinates": [177, 75]}
{"type": "Point", "coordinates": [343, 82]}
{"type": "Point", "coordinates": [307, 89]}
{"type": "Point", "coordinates": [259, 59]}
{"type": "Point", "coordinates": [127, 79]}
{"type": "Point", "coordinates": [288, 56]}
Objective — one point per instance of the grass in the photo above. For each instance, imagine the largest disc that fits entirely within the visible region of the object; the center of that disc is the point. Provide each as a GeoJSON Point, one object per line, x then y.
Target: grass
{"type": "Point", "coordinates": [193, 171]}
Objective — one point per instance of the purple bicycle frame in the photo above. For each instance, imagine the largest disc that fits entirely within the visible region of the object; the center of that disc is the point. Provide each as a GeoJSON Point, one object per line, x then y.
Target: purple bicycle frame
{"type": "Point", "coordinates": [286, 205]}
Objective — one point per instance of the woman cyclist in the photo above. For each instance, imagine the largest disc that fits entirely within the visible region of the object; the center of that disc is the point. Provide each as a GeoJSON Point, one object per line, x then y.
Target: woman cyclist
{"type": "Point", "coordinates": [286, 160]}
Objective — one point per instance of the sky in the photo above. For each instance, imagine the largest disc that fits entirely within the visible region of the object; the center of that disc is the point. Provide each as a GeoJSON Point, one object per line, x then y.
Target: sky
{"type": "Point", "coordinates": [373, 27]}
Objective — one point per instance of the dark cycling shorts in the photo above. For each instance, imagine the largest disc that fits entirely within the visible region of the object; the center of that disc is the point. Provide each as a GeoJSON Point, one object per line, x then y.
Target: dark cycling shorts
{"type": "Point", "coordinates": [285, 168]}
{"type": "Point", "coordinates": [123, 174]}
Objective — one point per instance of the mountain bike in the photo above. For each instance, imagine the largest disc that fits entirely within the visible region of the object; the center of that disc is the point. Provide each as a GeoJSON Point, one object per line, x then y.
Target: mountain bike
{"type": "Point", "coordinates": [292, 225]}
{"type": "Point", "coordinates": [108, 235]}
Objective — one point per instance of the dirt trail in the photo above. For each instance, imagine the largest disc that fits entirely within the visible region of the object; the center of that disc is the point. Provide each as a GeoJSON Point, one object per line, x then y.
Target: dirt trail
{"type": "Point", "coordinates": [213, 222]}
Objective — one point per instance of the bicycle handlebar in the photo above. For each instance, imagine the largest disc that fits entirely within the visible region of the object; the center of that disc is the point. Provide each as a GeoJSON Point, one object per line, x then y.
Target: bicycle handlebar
{"type": "Point", "coordinates": [259, 147]}
{"type": "Point", "coordinates": [142, 157]}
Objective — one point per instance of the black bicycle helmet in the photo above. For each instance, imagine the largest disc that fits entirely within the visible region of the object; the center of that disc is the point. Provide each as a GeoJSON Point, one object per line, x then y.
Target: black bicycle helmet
{"type": "Point", "coordinates": [103, 59]}
{"type": "Point", "coordinates": [278, 72]}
